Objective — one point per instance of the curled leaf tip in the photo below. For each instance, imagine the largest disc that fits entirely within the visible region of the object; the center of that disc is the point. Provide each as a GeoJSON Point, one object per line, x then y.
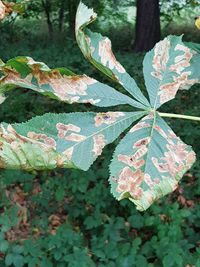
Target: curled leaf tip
{"type": "Point", "coordinates": [84, 16]}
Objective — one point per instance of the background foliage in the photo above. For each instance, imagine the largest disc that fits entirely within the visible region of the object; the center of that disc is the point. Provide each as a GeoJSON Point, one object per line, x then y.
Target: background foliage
{"type": "Point", "coordinates": [54, 218]}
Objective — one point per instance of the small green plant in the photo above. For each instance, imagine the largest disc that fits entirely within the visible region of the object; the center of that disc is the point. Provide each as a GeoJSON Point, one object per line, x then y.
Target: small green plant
{"type": "Point", "coordinates": [150, 159]}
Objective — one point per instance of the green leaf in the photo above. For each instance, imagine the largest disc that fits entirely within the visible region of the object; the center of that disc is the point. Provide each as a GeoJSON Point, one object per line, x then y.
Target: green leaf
{"type": "Point", "coordinates": [46, 263]}
{"type": "Point", "coordinates": [9, 259]}
{"type": "Point", "coordinates": [193, 46]}
{"type": "Point", "coordinates": [2, 236]}
{"type": "Point", "coordinates": [32, 262]}
{"type": "Point", "coordinates": [3, 245]}
{"type": "Point", "coordinates": [60, 194]}
{"type": "Point", "coordinates": [71, 140]}
{"type": "Point", "coordinates": [136, 221]}
{"type": "Point", "coordinates": [169, 260]}
{"type": "Point", "coordinates": [149, 162]}
{"type": "Point", "coordinates": [170, 66]}
{"type": "Point", "coordinates": [18, 249]}
{"type": "Point", "coordinates": [57, 255]}
{"type": "Point", "coordinates": [97, 49]}
{"type": "Point", "coordinates": [18, 261]}
{"type": "Point", "coordinates": [60, 84]}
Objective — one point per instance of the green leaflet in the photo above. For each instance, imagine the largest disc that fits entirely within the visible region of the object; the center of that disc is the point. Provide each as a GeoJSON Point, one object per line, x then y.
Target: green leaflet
{"type": "Point", "coordinates": [61, 84]}
{"type": "Point", "coordinates": [193, 46]}
{"type": "Point", "coordinates": [149, 162]}
{"type": "Point", "coordinates": [97, 49]}
{"type": "Point", "coordinates": [170, 66]}
{"type": "Point", "coordinates": [71, 140]}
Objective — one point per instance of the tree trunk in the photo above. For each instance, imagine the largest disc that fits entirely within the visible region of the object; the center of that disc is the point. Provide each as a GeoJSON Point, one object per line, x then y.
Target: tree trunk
{"type": "Point", "coordinates": [147, 32]}
{"type": "Point", "coordinates": [72, 7]}
{"type": "Point", "coordinates": [61, 15]}
{"type": "Point", "coordinates": [47, 9]}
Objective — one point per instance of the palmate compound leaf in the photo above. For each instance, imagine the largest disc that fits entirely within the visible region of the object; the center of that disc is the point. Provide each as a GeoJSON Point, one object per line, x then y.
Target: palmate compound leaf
{"type": "Point", "coordinates": [61, 84]}
{"type": "Point", "coordinates": [149, 162]}
{"type": "Point", "coordinates": [72, 140]}
{"type": "Point", "coordinates": [170, 66]}
{"type": "Point", "coordinates": [97, 49]}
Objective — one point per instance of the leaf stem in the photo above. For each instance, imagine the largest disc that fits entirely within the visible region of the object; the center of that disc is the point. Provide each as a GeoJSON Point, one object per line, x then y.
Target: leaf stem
{"type": "Point", "coordinates": [180, 116]}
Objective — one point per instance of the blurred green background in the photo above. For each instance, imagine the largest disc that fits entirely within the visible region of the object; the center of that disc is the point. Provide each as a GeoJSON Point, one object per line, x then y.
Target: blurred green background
{"type": "Point", "coordinates": [69, 218]}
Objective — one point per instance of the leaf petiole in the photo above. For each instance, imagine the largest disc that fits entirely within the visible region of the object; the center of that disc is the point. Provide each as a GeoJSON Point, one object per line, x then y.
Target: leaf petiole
{"type": "Point", "coordinates": [179, 116]}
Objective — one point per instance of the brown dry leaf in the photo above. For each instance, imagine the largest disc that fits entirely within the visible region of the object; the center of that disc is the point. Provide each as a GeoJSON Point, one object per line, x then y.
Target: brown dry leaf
{"type": "Point", "coordinates": [164, 218]}
{"type": "Point", "coordinates": [6, 8]}
{"type": "Point", "coordinates": [184, 201]}
{"type": "Point", "coordinates": [24, 229]}
{"type": "Point", "coordinates": [55, 220]}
